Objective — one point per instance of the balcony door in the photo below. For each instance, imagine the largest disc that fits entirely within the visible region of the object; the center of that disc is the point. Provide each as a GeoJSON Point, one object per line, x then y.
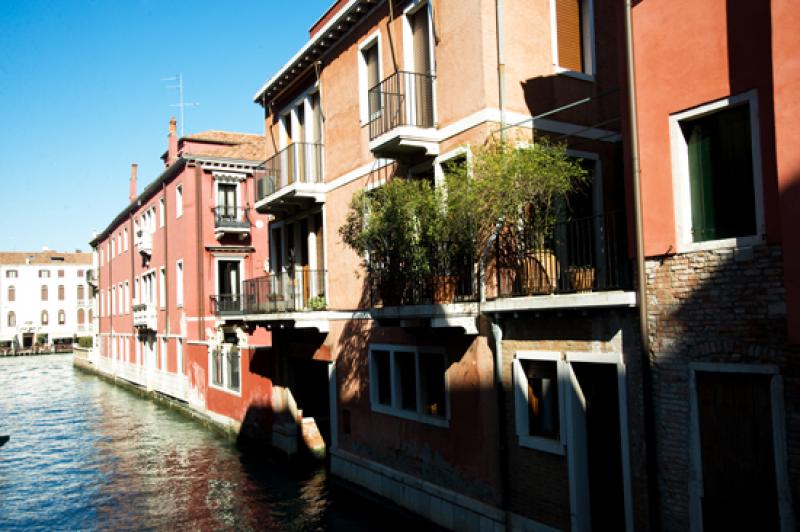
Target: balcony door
{"type": "Point", "coordinates": [421, 88]}
{"type": "Point", "coordinates": [228, 284]}
{"type": "Point", "coordinates": [226, 202]}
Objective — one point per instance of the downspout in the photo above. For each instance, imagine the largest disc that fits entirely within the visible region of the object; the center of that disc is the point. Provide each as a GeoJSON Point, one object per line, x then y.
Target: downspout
{"type": "Point", "coordinates": [389, 33]}
{"type": "Point", "coordinates": [641, 281]}
{"type": "Point", "coordinates": [133, 283]}
{"type": "Point", "coordinates": [166, 262]}
{"type": "Point", "coordinates": [201, 306]}
{"type": "Point", "coordinates": [501, 68]}
{"type": "Point", "coordinates": [502, 443]}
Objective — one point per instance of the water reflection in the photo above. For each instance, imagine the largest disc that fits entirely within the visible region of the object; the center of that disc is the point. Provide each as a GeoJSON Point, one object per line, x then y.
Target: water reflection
{"type": "Point", "coordinates": [87, 455]}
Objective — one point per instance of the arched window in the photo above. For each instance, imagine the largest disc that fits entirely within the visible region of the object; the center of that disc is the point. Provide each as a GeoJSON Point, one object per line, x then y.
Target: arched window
{"type": "Point", "coordinates": [44, 317]}
{"type": "Point", "coordinates": [80, 316]}
{"type": "Point", "coordinates": [61, 292]}
{"type": "Point", "coordinates": [80, 292]}
{"type": "Point", "coordinates": [12, 319]}
{"type": "Point", "coordinates": [91, 316]}
{"type": "Point", "coordinates": [12, 293]}
{"type": "Point", "coordinates": [44, 292]}
{"type": "Point", "coordinates": [62, 317]}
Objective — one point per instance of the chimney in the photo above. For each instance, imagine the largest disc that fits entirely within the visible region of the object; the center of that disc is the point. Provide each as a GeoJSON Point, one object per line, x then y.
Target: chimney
{"type": "Point", "coordinates": [132, 192]}
{"type": "Point", "coordinates": [172, 151]}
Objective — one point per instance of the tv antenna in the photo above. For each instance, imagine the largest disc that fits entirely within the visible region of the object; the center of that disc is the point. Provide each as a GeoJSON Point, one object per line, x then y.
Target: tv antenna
{"type": "Point", "coordinates": [179, 80]}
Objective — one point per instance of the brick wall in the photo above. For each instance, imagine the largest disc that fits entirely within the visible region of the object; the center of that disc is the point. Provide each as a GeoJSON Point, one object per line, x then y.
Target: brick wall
{"type": "Point", "coordinates": [723, 305]}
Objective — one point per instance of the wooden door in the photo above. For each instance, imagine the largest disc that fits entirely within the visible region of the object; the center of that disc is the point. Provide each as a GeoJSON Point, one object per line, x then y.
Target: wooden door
{"type": "Point", "coordinates": [737, 453]}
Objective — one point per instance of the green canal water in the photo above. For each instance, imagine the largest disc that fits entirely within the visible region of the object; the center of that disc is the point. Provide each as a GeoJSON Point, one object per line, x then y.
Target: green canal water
{"type": "Point", "coordinates": [87, 455]}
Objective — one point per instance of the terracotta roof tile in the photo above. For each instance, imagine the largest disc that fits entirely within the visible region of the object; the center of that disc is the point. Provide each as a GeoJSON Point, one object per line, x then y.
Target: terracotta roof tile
{"type": "Point", "coordinates": [44, 257]}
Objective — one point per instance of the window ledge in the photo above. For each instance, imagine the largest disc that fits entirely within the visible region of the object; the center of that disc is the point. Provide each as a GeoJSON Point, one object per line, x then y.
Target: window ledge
{"type": "Point", "coordinates": [541, 444]}
{"type": "Point", "coordinates": [411, 416]}
{"type": "Point", "coordinates": [561, 71]}
{"type": "Point", "coordinates": [725, 243]}
{"type": "Point", "coordinates": [230, 391]}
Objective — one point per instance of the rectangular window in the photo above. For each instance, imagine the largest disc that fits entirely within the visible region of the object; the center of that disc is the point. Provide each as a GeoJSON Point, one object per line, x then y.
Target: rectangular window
{"type": "Point", "coordinates": [369, 66]}
{"type": "Point", "coordinates": [573, 35]}
{"type": "Point", "coordinates": [216, 367]}
{"type": "Point", "coordinates": [127, 294]}
{"type": "Point", "coordinates": [538, 400]}
{"type": "Point", "coordinates": [61, 273]}
{"type": "Point", "coordinates": [125, 240]}
{"type": "Point", "coordinates": [179, 283]}
{"type": "Point", "coordinates": [179, 201]}
{"type": "Point", "coordinates": [44, 274]}
{"type": "Point", "coordinates": [162, 288]}
{"type": "Point", "coordinates": [409, 382]}
{"type": "Point", "coordinates": [721, 174]}
{"type": "Point", "coordinates": [11, 274]}
{"type": "Point", "coordinates": [233, 368]}
{"type": "Point", "coordinates": [163, 357]}
{"type": "Point", "coordinates": [162, 213]}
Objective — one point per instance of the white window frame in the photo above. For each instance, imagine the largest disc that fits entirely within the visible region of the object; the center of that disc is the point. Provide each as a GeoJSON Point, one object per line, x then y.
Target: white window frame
{"type": "Point", "coordinates": [225, 387]}
{"type": "Point", "coordinates": [394, 409]}
{"type": "Point", "coordinates": [127, 296]}
{"type": "Point", "coordinates": [520, 383]}
{"type": "Point", "coordinates": [163, 352]}
{"type": "Point", "coordinates": [125, 239]}
{"type": "Point", "coordinates": [363, 101]}
{"type": "Point", "coordinates": [162, 211]}
{"type": "Point", "coordinates": [113, 300]}
{"type": "Point", "coordinates": [179, 283]}
{"type": "Point", "coordinates": [162, 287]}
{"type": "Point", "coordinates": [680, 175]}
{"type": "Point", "coordinates": [588, 38]}
{"type": "Point", "coordinates": [408, 51]}
{"type": "Point", "coordinates": [179, 200]}
{"type": "Point", "coordinates": [240, 259]}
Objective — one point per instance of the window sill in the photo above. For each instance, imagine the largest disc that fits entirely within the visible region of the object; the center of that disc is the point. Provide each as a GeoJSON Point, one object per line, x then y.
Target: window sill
{"type": "Point", "coordinates": [561, 71]}
{"type": "Point", "coordinates": [411, 416]}
{"type": "Point", "coordinates": [230, 391]}
{"type": "Point", "coordinates": [541, 444]}
{"type": "Point", "coordinates": [725, 243]}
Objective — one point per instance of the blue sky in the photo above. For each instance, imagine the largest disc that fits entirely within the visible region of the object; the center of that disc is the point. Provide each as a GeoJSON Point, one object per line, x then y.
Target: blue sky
{"type": "Point", "coordinates": [81, 98]}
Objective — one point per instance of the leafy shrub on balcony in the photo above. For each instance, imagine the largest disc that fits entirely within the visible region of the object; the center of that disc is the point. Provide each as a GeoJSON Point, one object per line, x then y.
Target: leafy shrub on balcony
{"type": "Point", "coordinates": [85, 342]}
{"type": "Point", "coordinates": [316, 303]}
{"type": "Point", "coordinates": [409, 230]}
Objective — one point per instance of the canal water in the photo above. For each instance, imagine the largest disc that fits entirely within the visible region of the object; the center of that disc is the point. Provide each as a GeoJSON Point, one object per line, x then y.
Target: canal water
{"type": "Point", "coordinates": [85, 455]}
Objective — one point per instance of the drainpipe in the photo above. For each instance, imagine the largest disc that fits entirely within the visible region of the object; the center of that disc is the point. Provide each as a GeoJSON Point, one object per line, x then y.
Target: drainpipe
{"type": "Point", "coordinates": [641, 279]}
{"type": "Point", "coordinates": [501, 68]}
{"type": "Point", "coordinates": [201, 307]}
{"type": "Point", "coordinates": [132, 281]}
{"type": "Point", "coordinates": [166, 261]}
{"type": "Point", "coordinates": [502, 444]}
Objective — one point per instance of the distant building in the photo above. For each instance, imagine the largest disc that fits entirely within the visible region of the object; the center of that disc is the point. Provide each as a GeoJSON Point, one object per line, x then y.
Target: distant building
{"type": "Point", "coordinates": [44, 298]}
{"type": "Point", "coordinates": [175, 255]}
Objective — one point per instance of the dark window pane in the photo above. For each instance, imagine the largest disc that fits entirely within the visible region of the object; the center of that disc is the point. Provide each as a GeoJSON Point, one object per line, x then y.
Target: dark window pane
{"type": "Point", "coordinates": [407, 377]}
{"type": "Point", "coordinates": [432, 389]}
{"type": "Point", "coordinates": [543, 419]}
{"type": "Point", "coordinates": [383, 376]}
{"type": "Point", "coordinates": [721, 174]}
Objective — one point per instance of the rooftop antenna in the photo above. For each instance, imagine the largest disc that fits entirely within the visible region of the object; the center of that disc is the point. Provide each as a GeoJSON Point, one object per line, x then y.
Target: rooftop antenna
{"type": "Point", "coordinates": [179, 79]}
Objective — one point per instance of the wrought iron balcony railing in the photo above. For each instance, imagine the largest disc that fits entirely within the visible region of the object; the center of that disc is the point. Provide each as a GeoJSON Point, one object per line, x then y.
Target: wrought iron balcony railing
{"type": "Point", "coordinates": [300, 162]}
{"type": "Point", "coordinates": [448, 275]}
{"type": "Point", "coordinates": [225, 304]}
{"type": "Point", "coordinates": [582, 255]}
{"type": "Point", "coordinates": [298, 290]}
{"type": "Point", "coordinates": [226, 216]}
{"type": "Point", "coordinates": [402, 99]}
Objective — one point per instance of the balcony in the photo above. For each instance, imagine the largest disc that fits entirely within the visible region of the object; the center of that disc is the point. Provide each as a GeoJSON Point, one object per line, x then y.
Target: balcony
{"type": "Point", "coordinates": [301, 290]}
{"type": "Point", "coordinates": [292, 180]}
{"type": "Point", "coordinates": [231, 220]}
{"type": "Point", "coordinates": [226, 304]}
{"type": "Point", "coordinates": [580, 263]}
{"type": "Point", "coordinates": [145, 317]}
{"type": "Point", "coordinates": [91, 278]}
{"type": "Point", "coordinates": [144, 242]}
{"type": "Point", "coordinates": [401, 116]}
{"type": "Point", "coordinates": [296, 297]}
{"type": "Point", "coordinates": [444, 294]}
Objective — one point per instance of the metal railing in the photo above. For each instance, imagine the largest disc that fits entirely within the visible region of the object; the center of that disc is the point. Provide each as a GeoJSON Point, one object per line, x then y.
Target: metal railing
{"type": "Point", "coordinates": [299, 289]}
{"type": "Point", "coordinates": [300, 162]}
{"type": "Point", "coordinates": [226, 304]}
{"type": "Point", "coordinates": [582, 255]}
{"type": "Point", "coordinates": [449, 275]}
{"type": "Point", "coordinates": [402, 99]}
{"type": "Point", "coordinates": [230, 216]}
